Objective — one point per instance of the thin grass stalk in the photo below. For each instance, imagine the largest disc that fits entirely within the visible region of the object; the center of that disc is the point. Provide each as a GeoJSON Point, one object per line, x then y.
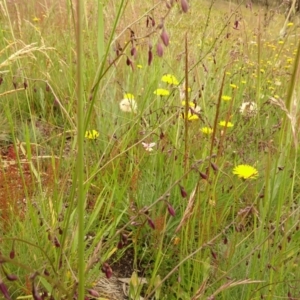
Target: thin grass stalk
{"type": "Point", "coordinates": [100, 37]}
{"type": "Point", "coordinates": [80, 149]}
{"type": "Point", "coordinates": [100, 70]}
{"type": "Point", "coordinates": [186, 119]}
{"type": "Point", "coordinates": [295, 74]}
{"type": "Point", "coordinates": [258, 81]}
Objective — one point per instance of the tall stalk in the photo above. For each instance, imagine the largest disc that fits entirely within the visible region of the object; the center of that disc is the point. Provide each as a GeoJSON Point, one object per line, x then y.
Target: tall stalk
{"type": "Point", "coordinates": [80, 149]}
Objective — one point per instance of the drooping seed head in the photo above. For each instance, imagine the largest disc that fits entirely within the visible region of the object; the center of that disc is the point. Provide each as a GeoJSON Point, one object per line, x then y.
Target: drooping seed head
{"type": "Point", "coordinates": [165, 37]}
{"type": "Point", "coordinates": [159, 50]}
{"type": "Point", "coordinates": [184, 6]}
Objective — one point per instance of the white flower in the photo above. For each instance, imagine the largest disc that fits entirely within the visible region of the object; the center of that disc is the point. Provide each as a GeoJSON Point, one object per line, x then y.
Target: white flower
{"type": "Point", "coordinates": [248, 109]}
{"type": "Point", "coordinates": [128, 105]}
{"type": "Point", "coordinates": [148, 147]}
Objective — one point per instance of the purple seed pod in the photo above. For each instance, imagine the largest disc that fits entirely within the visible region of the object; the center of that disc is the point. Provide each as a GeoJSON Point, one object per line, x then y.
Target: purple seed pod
{"type": "Point", "coordinates": [184, 6]}
{"type": "Point", "coordinates": [128, 61]}
{"type": "Point", "coordinates": [214, 254]}
{"type": "Point", "coordinates": [152, 22]}
{"type": "Point", "coordinates": [11, 277]}
{"type": "Point", "coordinates": [133, 52]}
{"type": "Point", "coordinates": [147, 22]}
{"type": "Point", "coordinates": [120, 245]}
{"type": "Point", "coordinates": [151, 224]}
{"type": "Point", "coordinates": [35, 293]}
{"type": "Point", "coordinates": [12, 254]}
{"type": "Point", "coordinates": [203, 175]}
{"type": "Point", "coordinates": [4, 291]}
{"type": "Point", "coordinates": [150, 57]}
{"type": "Point", "coordinates": [183, 191]}
{"type": "Point", "coordinates": [165, 37]}
{"type": "Point", "coordinates": [236, 24]}
{"type": "Point", "coordinates": [1, 80]}
{"type": "Point", "coordinates": [159, 50]}
{"type": "Point", "coordinates": [94, 293]}
{"type": "Point", "coordinates": [25, 84]}
{"type": "Point", "coordinates": [225, 241]}
{"type": "Point", "coordinates": [107, 270]}
{"type": "Point", "coordinates": [214, 166]}
{"type": "Point", "coordinates": [171, 210]}
{"type": "Point", "coordinates": [56, 242]}
{"type": "Point", "coordinates": [47, 88]}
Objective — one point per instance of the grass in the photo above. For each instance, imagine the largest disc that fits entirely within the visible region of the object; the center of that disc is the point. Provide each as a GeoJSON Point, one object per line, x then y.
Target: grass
{"type": "Point", "coordinates": [156, 202]}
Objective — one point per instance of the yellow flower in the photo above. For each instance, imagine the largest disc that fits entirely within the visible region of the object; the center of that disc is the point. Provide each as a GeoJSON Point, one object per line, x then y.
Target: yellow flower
{"type": "Point", "coordinates": [91, 134]}
{"type": "Point", "coordinates": [161, 92]}
{"type": "Point", "coordinates": [226, 124]}
{"type": "Point", "coordinates": [245, 172]}
{"type": "Point", "coordinates": [128, 96]}
{"type": "Point", "coordinates": [191, 116]}
{"type": "Point", "coordinates": [193, 106]}
{"type": "Point", "coordinates": [170, 79]}
{"type": "Point", "coordinates": [36, 19]}
{"type": "Point", "coordinates": [243, 81]}
{"type": "Point", "coordinates": [234, 86]}
{"type": "Point", "coordinates": [280, 42]}
{"type": "Point", "coordinates": [228, 73]}
{"type": "Point", "coordinates": [139, 66]}
{"type": "Point", "coordinates": [206, 130]}
{"type": "Point", "coordinates": [262, 71]}
{"type": "Point", "coordinates": [226, 98]}
{"type": "Point", "coordinates": [290, 24]}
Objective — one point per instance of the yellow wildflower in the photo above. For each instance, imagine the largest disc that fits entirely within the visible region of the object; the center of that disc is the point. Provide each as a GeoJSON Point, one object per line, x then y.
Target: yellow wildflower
{"type": "Point", "coordinates": [245, 172]}
{"type": "Point", "coordinates": [91, 134]}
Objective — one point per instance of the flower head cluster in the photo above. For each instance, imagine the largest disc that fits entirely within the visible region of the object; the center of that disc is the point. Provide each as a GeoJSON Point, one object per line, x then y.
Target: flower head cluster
{"type": "Point", "coordinates": [170, 79]}
{"type": "Point", "coordinates": [225, 124]}
{"type": "Point", "coordinates": [226, 98]}
{"type": "Point", "coordinates": [245, 172]}
{"type": "Point", "coordinates": [206, 130]}
{"type": "Point", "coordinates": [128, 104]}
{"type": "Point", "coordinates": [161, 92]}
{"type": "Point", "coordinates": [193, 112]}
{"type": "Point", "coordinates": [91, 134]}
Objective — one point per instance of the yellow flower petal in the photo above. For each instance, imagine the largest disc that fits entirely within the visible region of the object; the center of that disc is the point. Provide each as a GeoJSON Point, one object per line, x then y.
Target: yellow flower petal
{"type": "Point", "coordinates": [245, 171]}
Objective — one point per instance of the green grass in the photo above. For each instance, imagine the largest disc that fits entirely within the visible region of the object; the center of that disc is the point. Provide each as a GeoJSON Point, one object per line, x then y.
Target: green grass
{"type": "Point", "coordinates": [194, 229]}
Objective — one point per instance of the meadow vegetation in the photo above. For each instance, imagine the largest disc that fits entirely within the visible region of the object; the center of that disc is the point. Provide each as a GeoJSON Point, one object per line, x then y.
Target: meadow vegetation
{"type": "Point", "coordinates": [187, 122]}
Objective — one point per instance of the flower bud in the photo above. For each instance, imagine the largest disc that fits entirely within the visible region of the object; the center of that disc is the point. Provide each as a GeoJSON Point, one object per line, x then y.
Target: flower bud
{"type": "Point", "coordinates": [120, 245]}
{"type": "Point", "coordinates": [214, 166]}
{"type": "Point", "coordinates": [94, 293]}
{"type": "Point", "coordinates": [203, 175]}
{"type": "Point", "coordinates": [184, 6]}
{"type": "Point", "coordinates": [159, 50]}
{"type": "Point", "coordinates": [11, 277]}
{"type": "Point", "coordinates": [171, 210]}
{"type": "Point", "coordinates": [4, 291]}
{"type": "Point", "coordinates": [133, 52]}
{"type": "Point", "coordinates": [150, 57]}
{"type": "Point", "coordinates": [151, 223]}
{"type": "Point", "coordinates": [107, 270]}
{"type": "Point", "coordinates": [183, 192]}
{"type": "Point", "coordinates": [165, 37]}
